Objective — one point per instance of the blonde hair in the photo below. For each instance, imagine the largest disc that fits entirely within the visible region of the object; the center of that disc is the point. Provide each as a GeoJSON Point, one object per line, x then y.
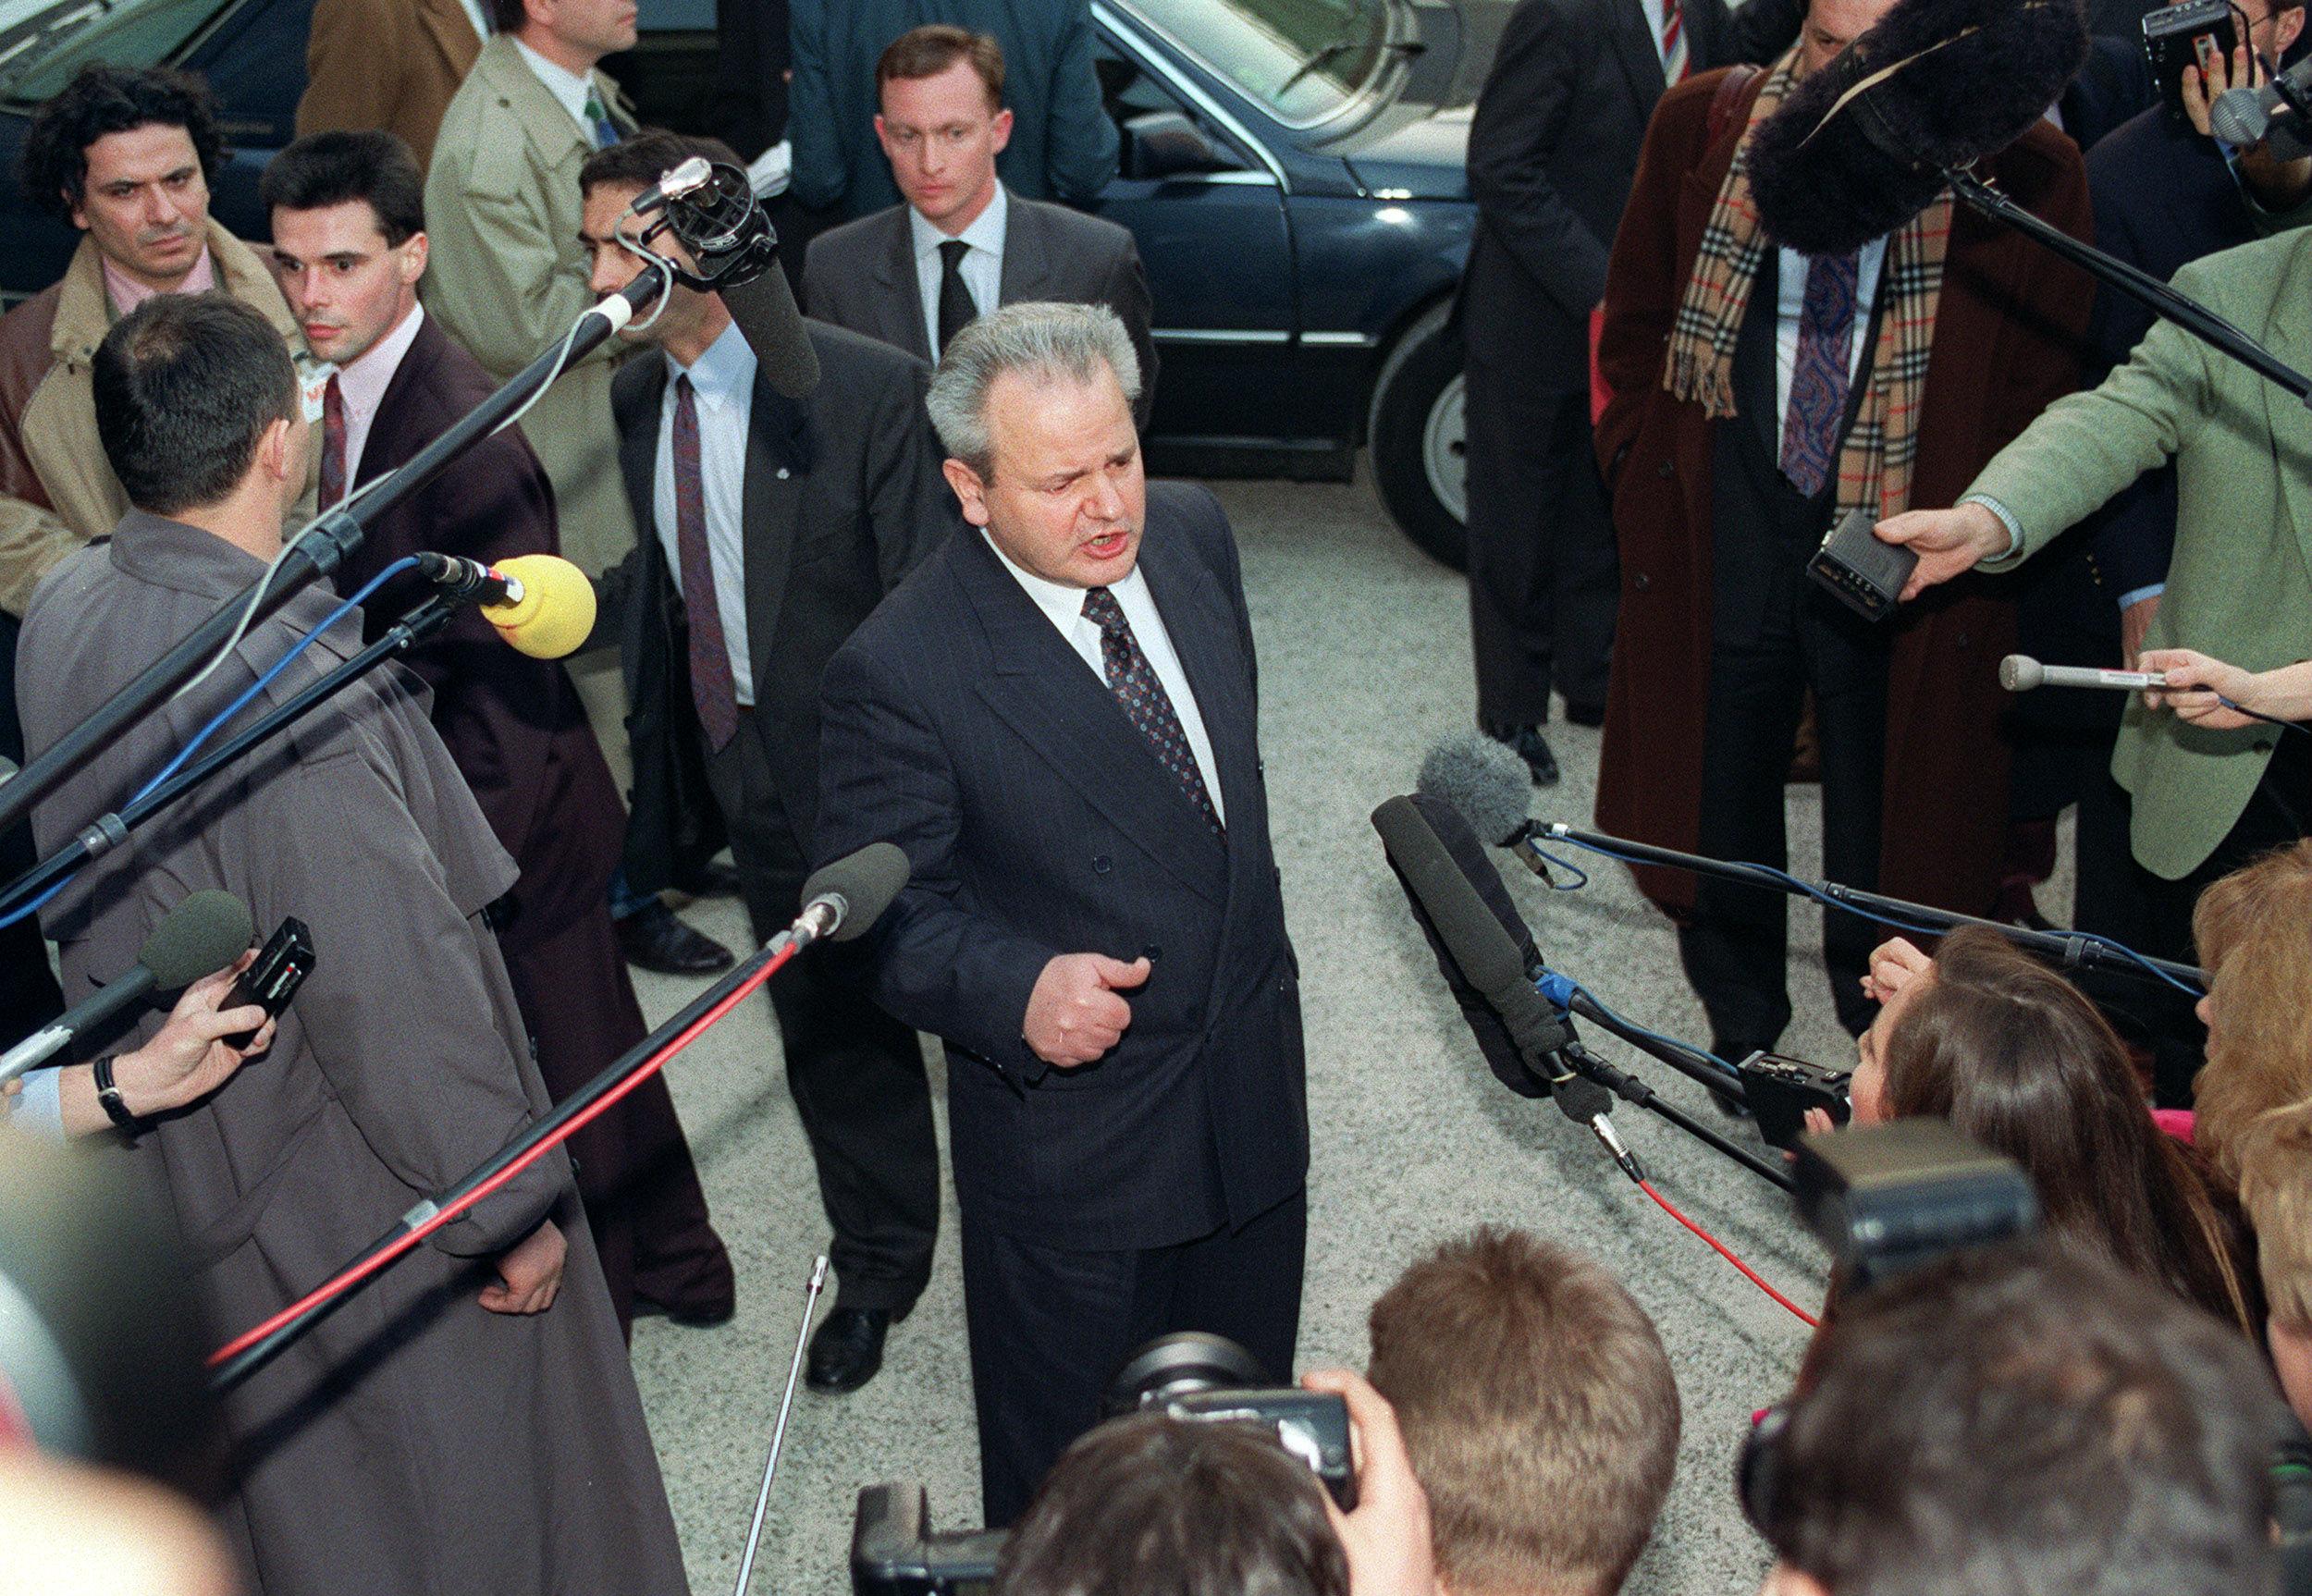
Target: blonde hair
{"type": "Point", "coordinates": [2254, 932]}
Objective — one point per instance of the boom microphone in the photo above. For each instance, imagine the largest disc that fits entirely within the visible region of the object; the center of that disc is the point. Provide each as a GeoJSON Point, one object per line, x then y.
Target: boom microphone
{"type": "Point", "coordinates": [541, 604]}
{"type": "Point", "coordinates": [2021, 673]}
{"type": "Point", "coordinates": [720, 222]}
{"type": "Point", "coordinates": [1861, 147]}
{"type": "Point", "coordinates": [843, 899]}
{"type": "Point", "coordinates": [204, 932]}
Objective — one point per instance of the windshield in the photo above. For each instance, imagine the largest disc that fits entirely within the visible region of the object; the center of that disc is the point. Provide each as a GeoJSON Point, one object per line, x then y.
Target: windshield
{"type": "Point", "coordinates": [1302, 59]}
{"type": "Point", "coordinates": [42, 45]}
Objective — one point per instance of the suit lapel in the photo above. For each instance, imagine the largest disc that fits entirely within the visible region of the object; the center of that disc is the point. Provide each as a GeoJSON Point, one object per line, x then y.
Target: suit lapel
{"type": "Point", "coordinates": [899, 308]}
{"type": "Point", "coordinates": [1634, 47]}
{"type": "Point", "coordinates": [638, 448]}
{"type": "Point", "coordinates": [1027, 253]}
{"type": "Point", "coordinates": [1203, 630]}
{"type": "Point", "coordinates": [386, 448]}
{"type": "Point", "coordinates": [1044, 690]}
{"type": "Point", "coordinates": [770, 504]}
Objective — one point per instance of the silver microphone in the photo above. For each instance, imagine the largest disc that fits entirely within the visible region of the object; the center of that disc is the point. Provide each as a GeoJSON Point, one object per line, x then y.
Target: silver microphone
{"type": "Point", "coordinates": [2021, 673]}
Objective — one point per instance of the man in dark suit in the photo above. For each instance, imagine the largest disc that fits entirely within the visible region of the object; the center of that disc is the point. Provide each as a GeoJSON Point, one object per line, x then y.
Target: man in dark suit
{"type": "Point", "coordinates": [1553, 147]}
{"type": "Point", "coordinates": [1063, 145]}
{"type": "Point", "coordinates": [348, 247]}
{"type": "Point", "coordinates": [963, 243]}
{"type": "Point", "coordinates": [1056, 718]}
{"type": "Point", "coordinates": [770, 528]}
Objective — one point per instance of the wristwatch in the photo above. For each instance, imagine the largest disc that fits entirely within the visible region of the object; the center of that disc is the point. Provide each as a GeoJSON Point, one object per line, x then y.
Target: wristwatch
{"type": "Point", "coordinates": [115, 1107]}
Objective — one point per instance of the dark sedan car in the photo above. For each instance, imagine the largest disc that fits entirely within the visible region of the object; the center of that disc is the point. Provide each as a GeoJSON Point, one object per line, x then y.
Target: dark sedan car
{"type": "Point", "coordinates": [1293, 172]}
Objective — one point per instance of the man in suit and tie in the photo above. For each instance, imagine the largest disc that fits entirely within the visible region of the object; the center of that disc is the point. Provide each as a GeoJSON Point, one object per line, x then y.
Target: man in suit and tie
{"type": "Point", "coordinates": [962, 242]}
{"type": "Point", "coordinates": [772, 526]}
{"type": "Point", "coordinates": [390, 64]}
{"type": "Point", "coordinates": [1064, 144]}
{"type": "Point", "coordinates": [1553, 149]}
{"type": "Point", "coordinates": [349, 248]}
{"type": "Point", "coordinates": [1056, 718]}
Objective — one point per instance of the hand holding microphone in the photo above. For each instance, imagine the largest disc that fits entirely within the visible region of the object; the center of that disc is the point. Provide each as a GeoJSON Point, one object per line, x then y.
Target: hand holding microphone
{"type": "Point", "coordinates": [2204, 691]}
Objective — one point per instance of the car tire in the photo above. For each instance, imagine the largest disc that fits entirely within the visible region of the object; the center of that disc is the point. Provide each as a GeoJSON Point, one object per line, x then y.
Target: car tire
{"type": "Point", "coordinates": [1418, 439]}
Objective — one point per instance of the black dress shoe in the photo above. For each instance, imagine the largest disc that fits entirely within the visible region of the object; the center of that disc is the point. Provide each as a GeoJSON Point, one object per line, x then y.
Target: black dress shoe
{"type": "Point", "coordinates": [691, 1316]}
{"type": "Point", "coordinates": [715, 879]}
{"type": "Point", "coordinates": [1526, 744]}
{"type": "Point", "coordinates": [1590, 715]}
{"type": "Point", "coordinates": [652, 938]}
{"type": "Point", "coordinates": [847, 1349]}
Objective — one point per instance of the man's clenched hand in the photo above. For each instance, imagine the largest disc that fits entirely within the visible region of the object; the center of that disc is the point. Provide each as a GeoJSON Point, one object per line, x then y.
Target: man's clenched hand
{"type": "Point", "coordinates": [1074, 1015]}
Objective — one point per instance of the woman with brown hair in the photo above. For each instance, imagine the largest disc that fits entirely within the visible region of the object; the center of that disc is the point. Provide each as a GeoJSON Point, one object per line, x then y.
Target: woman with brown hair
{"type": "Point", "coordinates": [2009, 1052]}
{"type": "Point", "coordinates": [2254, 1096]}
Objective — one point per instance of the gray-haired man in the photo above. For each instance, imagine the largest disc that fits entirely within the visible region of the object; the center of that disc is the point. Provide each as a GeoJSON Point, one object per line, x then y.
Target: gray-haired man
{"type": "Point", "coordinates": [1055, 716]}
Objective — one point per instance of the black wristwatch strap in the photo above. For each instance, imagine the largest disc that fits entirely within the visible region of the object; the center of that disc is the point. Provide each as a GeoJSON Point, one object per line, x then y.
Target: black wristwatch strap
{"type": "Point", "coordinates": [108, 1094]}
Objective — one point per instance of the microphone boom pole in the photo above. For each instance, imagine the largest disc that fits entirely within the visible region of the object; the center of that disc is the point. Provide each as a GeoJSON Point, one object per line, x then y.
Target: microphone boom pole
{"type": "Point", "coordinates": [2074, 950]}
{"type": "Point", "coordinates": [319, 548]}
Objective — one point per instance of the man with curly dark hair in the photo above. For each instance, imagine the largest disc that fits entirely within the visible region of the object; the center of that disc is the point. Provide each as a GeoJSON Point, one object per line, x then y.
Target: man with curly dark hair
{"type": "Point", "coordinates": [125, 156]}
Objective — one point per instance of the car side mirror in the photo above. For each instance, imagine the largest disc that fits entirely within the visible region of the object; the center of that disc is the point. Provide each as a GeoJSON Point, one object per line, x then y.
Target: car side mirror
{"type": "Point", "coordinates": [1167, 144]}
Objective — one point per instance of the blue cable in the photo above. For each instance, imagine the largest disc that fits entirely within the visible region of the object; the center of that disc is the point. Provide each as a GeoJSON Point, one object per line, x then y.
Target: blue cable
{"type": "Point", "coordinates": [1562, 989]}
{"type": "Point", "coordinates": [235, 707]}
{"type": "Point", "coordinates": [1827, 900]}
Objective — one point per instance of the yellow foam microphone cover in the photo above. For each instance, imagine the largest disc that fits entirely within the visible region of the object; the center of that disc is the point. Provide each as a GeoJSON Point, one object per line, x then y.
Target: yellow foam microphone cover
{"type": "Point", "coordinates": [555, 612]}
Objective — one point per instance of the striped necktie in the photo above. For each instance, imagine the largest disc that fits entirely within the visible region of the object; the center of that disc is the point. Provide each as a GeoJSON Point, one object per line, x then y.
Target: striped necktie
{"type": "Point", "coordinates": [1677, 59]}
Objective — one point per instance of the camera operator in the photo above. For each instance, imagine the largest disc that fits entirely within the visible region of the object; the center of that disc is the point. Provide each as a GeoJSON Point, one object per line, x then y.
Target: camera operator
{"type": "Point", "coordinates": [1539, 1409]}
{"type": "Point", "coordinates": [2007, 1050]}
{"type": "Point", "coordinates": [1149, 1503]}
{"type": "Point", "coordinates": [2015, 1420]}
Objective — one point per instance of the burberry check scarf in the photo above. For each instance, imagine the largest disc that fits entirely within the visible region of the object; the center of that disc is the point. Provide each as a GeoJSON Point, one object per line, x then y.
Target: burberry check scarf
{"type": "Point", "coordinates": [1875, 460]}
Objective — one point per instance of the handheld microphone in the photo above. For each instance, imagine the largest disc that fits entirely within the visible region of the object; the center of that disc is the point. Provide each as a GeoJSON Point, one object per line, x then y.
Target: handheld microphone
{"type": "Point", "coordinates": [1487, 786]}
{"type": "Point", "coordinates": [2243, 116]}
{"type": "Point", "coordinates": [842, 899]}
{"type": "Point", "coordinates": [2021, 673]}
{"type": "Point", "coordinates": [204, 932]}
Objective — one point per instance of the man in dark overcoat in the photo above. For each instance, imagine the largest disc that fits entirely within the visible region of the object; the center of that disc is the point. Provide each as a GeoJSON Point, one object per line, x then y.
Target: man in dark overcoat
{"type": "Point", "coordinates": [349, 246]}
{"type": "Point", "coordinates": [1726, 472]}
{"type": "Point", "coordinates": [467, 1424]}
{"type": "Point", "coordinates": [1056, 718]}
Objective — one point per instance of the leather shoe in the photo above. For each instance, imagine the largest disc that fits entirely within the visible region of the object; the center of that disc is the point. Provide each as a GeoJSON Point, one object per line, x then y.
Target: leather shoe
{"type": "Point", "coordinates": [688, 1315]}
{"type": "Point", "coordinates": [1590, 715]}
{"type": "Point", "coordinates": [714, 880]}
{"type": "Point", "coordinates": [847, 1349]}
{"type": "Point", "coordinates": [653, 938]}
{"type": "Point", "coordinates": [1526, 744]}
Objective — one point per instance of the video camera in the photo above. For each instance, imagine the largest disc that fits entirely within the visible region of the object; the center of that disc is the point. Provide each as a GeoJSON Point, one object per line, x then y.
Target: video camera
{"type": "Point", "coordinates": [1207, 1379]}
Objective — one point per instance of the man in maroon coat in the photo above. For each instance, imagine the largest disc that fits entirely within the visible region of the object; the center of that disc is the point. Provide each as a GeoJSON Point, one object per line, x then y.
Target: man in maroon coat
{"type": "Point", "coordinates": [348, 248]}
{"type": "Point", "coordinates": [1756, 395]}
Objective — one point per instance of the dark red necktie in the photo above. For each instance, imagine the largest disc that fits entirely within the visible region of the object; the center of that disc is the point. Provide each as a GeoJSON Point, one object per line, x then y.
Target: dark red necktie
{"type": "Point", "coordinates": [713, 688]}
{"type": "Point", "coordinates": [332, 443]}
{"type": "Point", "coordinates": [1135, 684]}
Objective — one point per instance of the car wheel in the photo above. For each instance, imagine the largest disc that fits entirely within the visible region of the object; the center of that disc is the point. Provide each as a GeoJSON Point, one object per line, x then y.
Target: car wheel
{"type": "Point", "coordinates": [1418, 436]}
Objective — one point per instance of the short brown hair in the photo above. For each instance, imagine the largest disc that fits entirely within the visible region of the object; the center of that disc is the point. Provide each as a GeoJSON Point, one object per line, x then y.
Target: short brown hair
{"type": "Point", "coordinates": [928, 51]}
{"type": "Point", "coordinates": [1153, 1502]}
{"type": "Point", "coordinates": [2254, 932]}
{"type": "Point", "coordinates": [1539, 1407]}
{"type": "Point", "coordinates": [650, 154]}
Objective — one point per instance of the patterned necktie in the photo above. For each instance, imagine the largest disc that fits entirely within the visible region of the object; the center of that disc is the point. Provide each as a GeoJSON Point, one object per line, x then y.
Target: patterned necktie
{"type": "Point", "coordinates": [1818, 380]}
{"type": "Point", "coordinates": [1676, 60]}
{"type": "Point", "coordinates": [1133, 681]}
{"type": "Point", "coordinates": [332, 443]}
{"type": "Point", "coordinates": [713, 688]}
{"type": "Point", "coordinates": [599, 121]}
{"type": "Point", "coordinates": [957, 306]}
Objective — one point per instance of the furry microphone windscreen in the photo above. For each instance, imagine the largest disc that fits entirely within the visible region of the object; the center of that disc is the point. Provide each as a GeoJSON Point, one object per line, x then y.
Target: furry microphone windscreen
{"type": "Point", "coordinates": [1839, 162]}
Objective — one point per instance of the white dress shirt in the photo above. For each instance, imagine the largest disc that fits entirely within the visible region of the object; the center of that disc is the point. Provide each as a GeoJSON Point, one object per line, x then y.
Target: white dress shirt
{"type": "Point", "coordinates": [362, 384]}
{"type": "Point", "coordinates": [1790, 302]}
{"type": "Point", "coordinates": [723, 379]}
{"type": "Point", "coordinates": [983, 268]}
{"type": "Point", "coordinates": [1064, 607]}
{"type": "Point", "coordinates": [1653, 9]}
{"type": "Point", "coordinates": [571, 90]}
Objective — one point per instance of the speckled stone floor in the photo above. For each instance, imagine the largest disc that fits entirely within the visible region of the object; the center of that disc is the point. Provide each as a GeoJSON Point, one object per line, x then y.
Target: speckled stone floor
{"type": "Point", "coordinates": [1364, 664]}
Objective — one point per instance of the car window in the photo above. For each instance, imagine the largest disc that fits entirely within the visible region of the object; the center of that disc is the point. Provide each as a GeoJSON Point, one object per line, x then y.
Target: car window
{"type": "Point", "coordinates": [1132, 93]}
{"type": "Point", "coordinates": [42, 47]}
{"type": "Point", "coordinates": [1302, 59]}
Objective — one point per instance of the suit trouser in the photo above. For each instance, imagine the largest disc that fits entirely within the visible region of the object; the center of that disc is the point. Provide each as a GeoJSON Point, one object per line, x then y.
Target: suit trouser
{"type": "Point", "coordinates": [643, 1202]}
{"type": "Point", "coordinates": [856, 1074]}
{"type": "Point", "coordinates": [1544, 581]}
{"type": "Point", "coordinates": [1050, 1327]}
{"type": "Point", "coordinates": [1776, 635]}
